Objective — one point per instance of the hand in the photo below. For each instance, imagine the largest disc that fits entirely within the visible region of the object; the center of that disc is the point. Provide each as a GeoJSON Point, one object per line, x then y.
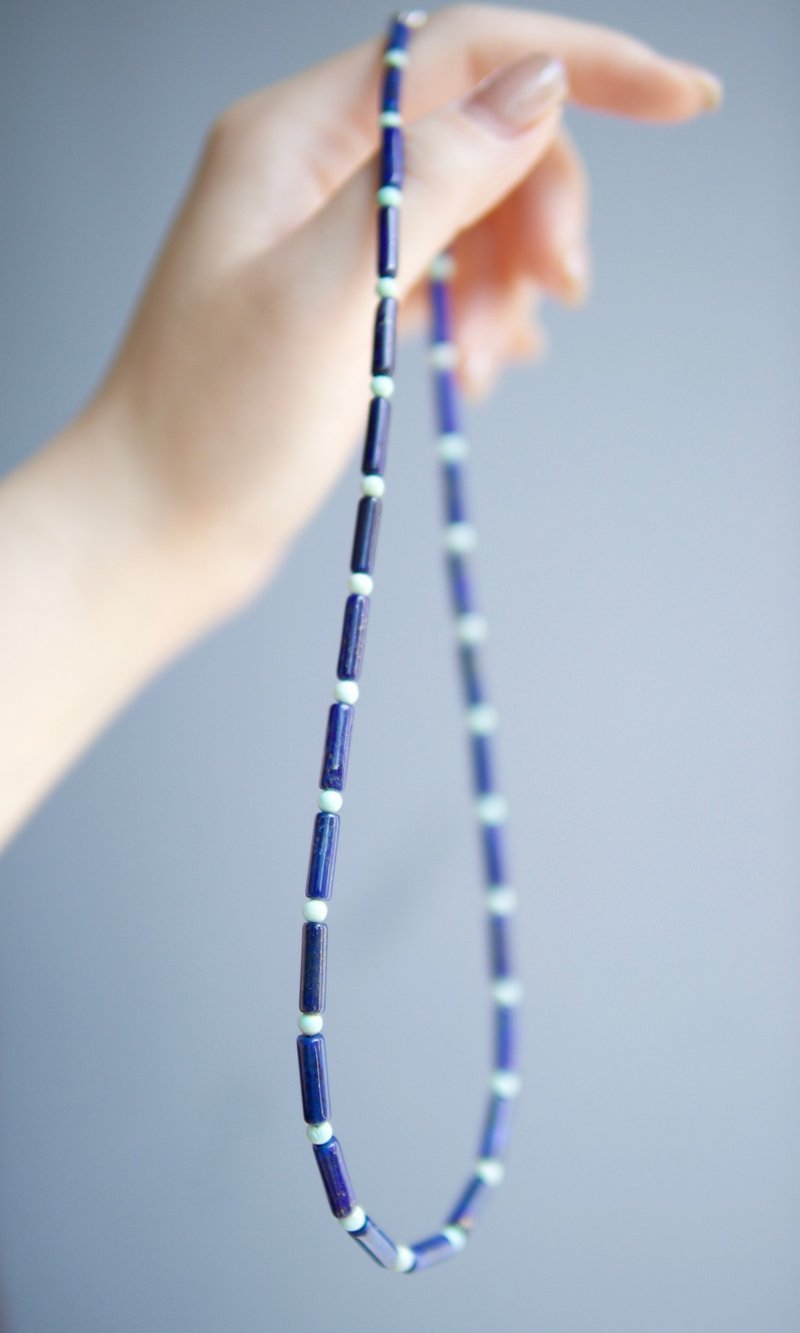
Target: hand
{"type": "Point", "coordinates": [240, 389]}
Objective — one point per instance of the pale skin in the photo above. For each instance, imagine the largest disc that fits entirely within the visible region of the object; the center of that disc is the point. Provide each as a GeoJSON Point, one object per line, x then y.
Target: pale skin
{"type": "Point", "coordinates": [237, 396]}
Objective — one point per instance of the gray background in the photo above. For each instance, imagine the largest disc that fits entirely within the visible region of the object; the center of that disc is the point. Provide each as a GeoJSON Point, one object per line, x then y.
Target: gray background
{"type": "Point", "coordinates": [638, 500]}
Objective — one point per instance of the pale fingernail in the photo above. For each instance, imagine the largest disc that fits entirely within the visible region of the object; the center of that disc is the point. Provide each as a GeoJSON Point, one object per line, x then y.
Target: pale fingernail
{"type": "Point", "coordinates": [478, 371]}
{"type": "Point", "coordinates": [711, 88]}
{"type": "Point", "coordinates": [575, 269]}
{"type": "Point", "coordinates": [513, 98]}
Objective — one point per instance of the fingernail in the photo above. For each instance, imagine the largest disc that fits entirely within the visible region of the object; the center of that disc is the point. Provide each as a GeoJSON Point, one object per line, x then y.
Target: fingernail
{"type": "Point", "coordinates": [710, 87]}
{"type": "Point", "coordinates": [478, 371]}
{"type": "Point", "coordinates": [575, 270]}
{"type": "Point", "coordinates": [516, 96]}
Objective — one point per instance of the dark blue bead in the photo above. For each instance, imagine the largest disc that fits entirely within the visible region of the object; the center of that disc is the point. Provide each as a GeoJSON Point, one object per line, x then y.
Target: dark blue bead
{"type": "Point", "coordinates": [365, 538]}
{"type": "Point", "coordinates": [354, 632]}
{"type": "Point", "coordinates": [373, 458]}
{"type": "Point", "coordinates": [441, 313]}
{"type": "Point", "coordinates": [497, 1127]}
{"type": "Point", "coordinates": [470, 676]}
{"type": "Point", "coordinates": [454, 487]}
{"type": "Point", "coordinates": [384, 338]}
{"type": "Point", "coordinates": [336, 751]}
{"type": "Point", "coordinates": [392, 157]}
{"type": "Point", "coordinates": [460, 583]}
{"type": "Point", "coordinates": [470, 1204]}
{"type": "Point", "coordinates": [500, 941]}
{"type": "Point", "coordinates": [388, 242]}
{"type": "Point", "coordinates": [432, 1251]}
{"type": "Point", "coordinates": [494, 853]}
{"type": "Point", "coordinates": [447, 405]}
{"type": "Point", "coordinates": [335, 1177]}
{"type": "Point", "coordinates": [506, 1038]}
{"type": "Point", "coordinates": [399, 33]}
{"type": "Point", "coordinates": [322, 861]}
{"type": "Point", "coordinates": [314, 958]}
{"type": "Point", "coordinates": [376, 1243]}
{"type": "Point", "coordinates": [392, 83]}
{"type": "Point", "coordinates": [313, 1064]}
{"type": "Point", "coordinates": [483, 763]}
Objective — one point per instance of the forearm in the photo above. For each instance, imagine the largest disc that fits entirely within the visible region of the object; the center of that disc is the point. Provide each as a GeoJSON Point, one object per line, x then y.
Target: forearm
{"type": "Point", "coordinates": [100, 586]}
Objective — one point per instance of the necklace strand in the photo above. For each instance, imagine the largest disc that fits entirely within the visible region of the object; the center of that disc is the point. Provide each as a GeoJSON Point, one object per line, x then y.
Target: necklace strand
{"type": "Point", "coordinates": [481, 722]}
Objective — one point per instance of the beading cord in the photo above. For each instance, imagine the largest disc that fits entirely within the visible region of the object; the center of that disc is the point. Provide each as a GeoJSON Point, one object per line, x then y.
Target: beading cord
{"type": "Point", "coordinates": [481, 722]}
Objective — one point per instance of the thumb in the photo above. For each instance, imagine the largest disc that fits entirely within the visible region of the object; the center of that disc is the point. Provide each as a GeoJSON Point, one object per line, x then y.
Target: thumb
{"type": "Point", "coordinates": [460, 161]}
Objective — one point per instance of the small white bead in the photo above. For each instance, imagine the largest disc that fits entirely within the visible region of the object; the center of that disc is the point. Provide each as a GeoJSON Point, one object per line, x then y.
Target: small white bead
{"type": "Point", "coordinates": [501, 900]}
{"type": "Point", "coordinates": [394, 56]}
{"type": "Point", "coordinates": [330, 801]}
{"type": "Point", "coordinates": [386, 286]}
{"type": "Point", "coordinates": [382, 386]}
{"type": "Point", "coordinates": [372, 484]}
{"type": "Point", "coordinates": [362, 583]}
{"type": "Point", "coordinates": [314, 909]}
{"type": "Point", "coordinates": [482, 719]}
{"type": "Point", "coordinates": [492, 808]}
{"type": "Point", "coordinates": [452, 447]}
{"type": "Point", "coordinates": [457, 1236]}
{"type": "Point", "coordinates": [507, 991]}
{"type": "Point", "coordinates": [490, 1170]}
{"type": "Point", "coordinates": [443, 356]}
{"type": "Point", "coordinates": [459, 538]}
{"type": "Point", "coordinates": [471, 627]}
{"type": "Point", "coordinates": [390, 120]}
{"type": "Point", "coordinates": [320, 1133]}
{"type": "Point", "coordinates": [442, 268]}
{"type": "Point", "coordinates": [405, 1259]}
{"type": "Point", "coordinates": [346, 691]}
{"type": "Point", "coordinates": [413, 18]}
{"type": "Point", "coordinates": [505, 1083]}
{"type": "Point", "coordinates": [310, 1024]}
{"type": "Point", "coordinates": [389, 196]}
{"type": "Point", "coordinates": [355, 1219]}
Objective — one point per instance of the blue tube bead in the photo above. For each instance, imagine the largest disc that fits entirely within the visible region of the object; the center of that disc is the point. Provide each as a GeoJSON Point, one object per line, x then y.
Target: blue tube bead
{"type": "Point", "coordinates": [483, 763]}
{"type": "Point", "coordinates": [373, 458]}
{"type": "Point", "coordinates": [336, 751]}
{"type": "Point", "coordinates": [365, 538]}
{"type": "Point", "coordinates": [470, 1204]}
{"type": "Point", "coordinates": [377, 1244]}
{"type": "Point", "coordinates": [441, 313]}
{"type": "Point", "coordinates": [506, 1037]}
{"type": "Point", "coordinates": [432, 1251]}
{"type": "Point", "coordinates": [313, 1063]}
{"type": "Point", "coordinates": [392, 83]}
{"type": "Point", "coordinates": [399, 33]}
{"type": "Point", "coordinates": [461, 591]}
{"type": "Point", "coordinates": [470, 676]}
{"type": "Point", "coordinates": [447, 405]}
{"type": "Point", "coordinates": [500, 951]}
{"type": "Point", "coordinates": [496, 1126]}
{"type": "Point", "coordinates": [335, 1177]}
{"type": "Point", "coordinates": [354, 632]}
{"type": "Point", "coordinates": [388, 241]}
{"type": "Point", "coordinates": [384, 337]}
{"type": "Point", "coordinates": [322, 859]}
{"type": "Point", "coordinates": [453, 486]}
{"type": "Point", "coordinates": [494, 853]}
{"type": "Point", "coordinates": [313, 967]}
{"type": "Point", "coordinates": [392, 157]}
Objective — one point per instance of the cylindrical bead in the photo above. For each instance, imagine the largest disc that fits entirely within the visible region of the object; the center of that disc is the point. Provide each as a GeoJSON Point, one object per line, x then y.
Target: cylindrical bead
{"type": "Point", "coordinates": [470, 1204]}
{"type": "Point", "coordinates": [392, 157]}
{"type": "Point", "coordinates": [506, 1034]}
{"type": "Point", "coordinates": [373, 458]}
{"type": "Point", "coordinates": [322, 860]}
{"type": "Point", "coordinates": [313, 1064]}
{"type": "Point", "coordinates": [500, 930]}
{"type": "Point", "coordinates": [354, 632]}
{"type": "Point", "coordinates": [365, 538]}
{"type": "Point", "coordinates": [482, 763]}
{"type": "Point", "coordinates": [460, 583]}
{"type": "Point", "coordinates": [384, 339]}
{"type": "Point", "coordinates": [335, 1177]}
{"type": "Point", "coordinates": [441, 313]}
{"type": "Point", "coordinates": [398, 36]}
{"type": "Point", "coordinates": [392, 82]}
{"type": "Point", "coordinates": [470, 675]}
{"type": "Point", "coordinates": [336, 752]}
{"type": "Point", "coordinates": [432, 1251]}
{"type": "Point", "coordinates": [449, 415]}
{"type": "Point", "coordinates": [313, 965]}
{"type": "Point", "coordinates": [388, 242]}
{"type": "Point", "coordinates": [454, 497]}
{"type": "Point", "coordinates": [377, 1244]}
{"type": "Point", "coordinates": [494, 853]}
{"type": "Point", "coordinates": [496, 1127]}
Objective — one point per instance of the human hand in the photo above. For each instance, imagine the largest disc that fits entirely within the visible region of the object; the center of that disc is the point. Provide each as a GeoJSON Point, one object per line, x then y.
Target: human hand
{"type": "Point", "coordinates": [241, 385]}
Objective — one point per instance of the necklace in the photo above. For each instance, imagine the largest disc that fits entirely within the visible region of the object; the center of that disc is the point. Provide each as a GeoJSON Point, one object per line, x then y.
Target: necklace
{"type": "Point", "coordinates": [481, 721]}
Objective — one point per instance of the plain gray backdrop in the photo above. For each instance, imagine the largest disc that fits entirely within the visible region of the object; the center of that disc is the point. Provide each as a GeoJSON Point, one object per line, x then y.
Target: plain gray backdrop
{"type": "Point", "coordinates": [637, 498]}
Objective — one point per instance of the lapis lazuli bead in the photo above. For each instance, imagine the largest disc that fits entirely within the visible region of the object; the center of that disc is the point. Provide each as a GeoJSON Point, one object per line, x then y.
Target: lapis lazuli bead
{"type": "Point", "coordinates": [470, 1204]}
{"type": "Point", "coordinates": [432, 1251]}
{"type": "Point", "coordinates": [392, 157]}
{"type": "Point", "coordinates": [373, 458]}
{"type": "Point", "coordinates": [483, 764]}
{"type": "Point", "coordinates": [461, 592]}
{"type": "Point", "coordinates": [442, 320]}
{"type": "Point", "coordinates": [313, 1063]}
{"type": "Point", "coordinates": [470, 675]}
{"type": "Point", "coordinates": [365, 538]}
{"type": "Point", "coordinates": [322, 861]}
{"type": "Point", "coordinates": [335, 1177]}
{"type": "Point", "coordinates": [447, 402]}
{"type": "Point", "coordinates": [500, 946]}
{"type": "Point", "coordinates": [398, 36]}
{"type": "Point", "coordinates": [506, 1023]}
{"type": "Point", "coordinates": [385, 337]}
{"type": "Point", "coordinates": [497, 1127]}
{"type": "Point", "coordinates": [376, 1243]}
{"type": "Point", "coordinates": [354, 632]}
{"type": "Point", "coordinates": [494, 853]}
{"type": "Point", "coordinates": [388, 242]}
{"type": "Point", "coordinates": [392, 83]}
{"type": "Point", "coordinates": [336, 752]}
{"type": "Point", "coordinates": [313, 966]}
{"type": "Point", "coordinates": [454, 493]}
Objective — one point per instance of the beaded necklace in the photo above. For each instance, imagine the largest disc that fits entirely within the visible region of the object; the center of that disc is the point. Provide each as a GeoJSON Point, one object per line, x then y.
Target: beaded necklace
{"type": "Point", "coordinates": [481, 721]}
